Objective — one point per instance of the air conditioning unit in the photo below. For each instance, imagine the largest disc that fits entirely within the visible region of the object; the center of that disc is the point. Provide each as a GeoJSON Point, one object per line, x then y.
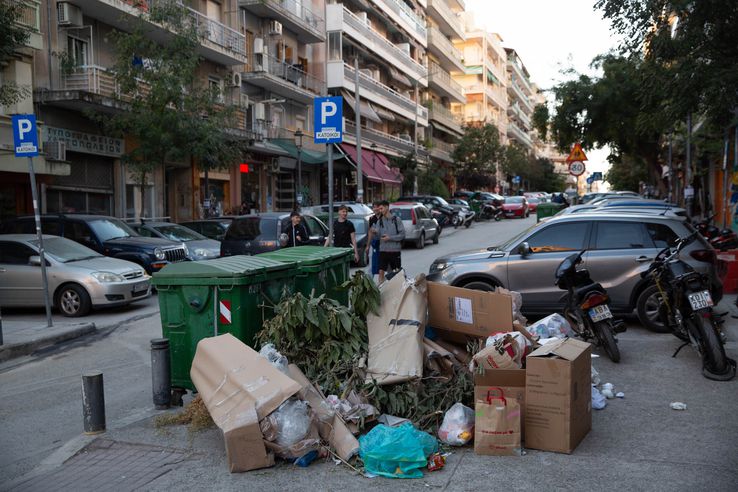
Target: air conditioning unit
{"type": "Point", "coordinates": [364, 17]}
{"type": "Point", "coordinates": [258, 46]}
{"type": "Point", "coordinates": [235, 79]}
{"type": "Point", "coordinates": [275, 165]}
{"type": "Point", "coordinates": [275, 28]}
{"type": "Point", "coordinates": [55, 150]}
{"type": "Point", "coordinates": [243, 100]}
{"type": "Point", "coordinates": [68, 14]}
{"type": "Point", "coordinates": [260, 111]}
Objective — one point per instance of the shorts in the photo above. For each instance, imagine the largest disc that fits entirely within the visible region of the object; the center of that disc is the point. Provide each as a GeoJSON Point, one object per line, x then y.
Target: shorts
{"type": "Point", "coordinates": [389, 261]}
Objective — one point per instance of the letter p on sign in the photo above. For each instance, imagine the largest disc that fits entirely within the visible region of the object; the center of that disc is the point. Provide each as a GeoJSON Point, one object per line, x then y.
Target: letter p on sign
{"type": "Point", "coordinates": [328, 109]}
{"type": "Point", "coordinates": [25, 140]}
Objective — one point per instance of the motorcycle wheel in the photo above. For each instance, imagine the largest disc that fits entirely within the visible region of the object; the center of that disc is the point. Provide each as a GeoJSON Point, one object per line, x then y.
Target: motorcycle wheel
{"type": "Point", "coordinates": [714, 363]}
{"type": "Point", "coordinates": [456, 222]}
{"type": "Point", "coordinates": [647, 308]}
{"type": "Point", "coordinates": [604, 332]}
{"type": "Point", "coordinates": [468, 224]}
{"type": "Point", "coordinates": [498, 218]}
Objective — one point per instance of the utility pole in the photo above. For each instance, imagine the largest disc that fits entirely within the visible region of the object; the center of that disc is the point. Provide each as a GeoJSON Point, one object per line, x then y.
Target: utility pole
{"type": "Point", "coordinates": [357, 111]}
{"type": "Point", "coordinates": [415, 139]}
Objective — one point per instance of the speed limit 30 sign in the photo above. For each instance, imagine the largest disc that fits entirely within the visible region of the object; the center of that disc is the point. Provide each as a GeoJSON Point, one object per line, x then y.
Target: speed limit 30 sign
{"type": "Point", "coordinates": [576, 168]}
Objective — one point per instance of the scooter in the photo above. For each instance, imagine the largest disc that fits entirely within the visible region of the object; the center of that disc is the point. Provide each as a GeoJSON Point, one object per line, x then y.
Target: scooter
{"type": "Point", "coordinates": [588, 306]}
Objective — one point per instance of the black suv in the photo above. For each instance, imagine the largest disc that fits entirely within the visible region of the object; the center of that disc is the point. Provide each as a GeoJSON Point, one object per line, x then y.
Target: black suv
{"type": "Point", "coordinates": [106, 235]}
{"type": "Point", "coordinates": [254, 234]}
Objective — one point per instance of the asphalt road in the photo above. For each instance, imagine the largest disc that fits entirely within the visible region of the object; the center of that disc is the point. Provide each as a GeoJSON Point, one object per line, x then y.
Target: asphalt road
{"type": "Point", "coordinates": [636, 443]}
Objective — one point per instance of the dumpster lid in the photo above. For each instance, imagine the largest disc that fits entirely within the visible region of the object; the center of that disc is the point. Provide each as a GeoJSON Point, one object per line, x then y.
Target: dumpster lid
{"type": "Point", "coordinates": [309, 255]}
{"type": "Point", "coordinates": [228, 267]}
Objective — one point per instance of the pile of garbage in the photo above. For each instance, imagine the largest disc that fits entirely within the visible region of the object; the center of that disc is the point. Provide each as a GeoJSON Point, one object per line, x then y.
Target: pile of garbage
{"type": "Point", "coordinates": [404, 364]}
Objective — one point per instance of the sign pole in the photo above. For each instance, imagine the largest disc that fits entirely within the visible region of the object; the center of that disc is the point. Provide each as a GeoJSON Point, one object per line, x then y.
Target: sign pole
{"type": "Point", "coordinates": [330, 193]}
{"type": "Point", "coordinates": [357, 110]}
{"type": "Point", "coordinates": [37, 217]}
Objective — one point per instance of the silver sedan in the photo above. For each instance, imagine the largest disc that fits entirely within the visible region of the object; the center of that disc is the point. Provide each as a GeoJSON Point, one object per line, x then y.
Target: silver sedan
{"type": "Point", "coordinates": [79, 278]}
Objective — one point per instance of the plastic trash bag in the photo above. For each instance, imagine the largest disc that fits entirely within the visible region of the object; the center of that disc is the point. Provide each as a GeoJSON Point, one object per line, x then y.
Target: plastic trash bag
{"type": "Point", "coordinates": [554, 325]}
{"type": "Point", "coordinates": [595, 376]}
{"type": "Point", "coordinates": [270, 353]}
{"type": "Point", "coordinates": [598, 401]}
{"type": "Point", "coordinates": [457, 428]}
{"type": "Point", "coordinates": [396, 452]}
{"type": "Point", "coordinates": [291, 422]}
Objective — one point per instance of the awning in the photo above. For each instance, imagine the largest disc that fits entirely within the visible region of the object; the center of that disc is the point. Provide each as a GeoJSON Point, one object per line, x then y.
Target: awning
{"type": "Point", "coordinates": [367, 110]}
{"type": "Point", "coordinates": [385, 114]}
{"type": "Point", "coordinates": [306, 156]}
{"type": "Point", "coordinates": [399, 77]}
{"type": "Point", "coordinates": [374, 165]}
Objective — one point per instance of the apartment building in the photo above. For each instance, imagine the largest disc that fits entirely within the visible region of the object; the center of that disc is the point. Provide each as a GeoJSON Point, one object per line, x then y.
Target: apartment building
{"type": "Point", "coordinates": [445, 62]}
{"type": "Point", "coordinates": [520, 101]}
{"type": "Point", "coordinates": [387, 41]}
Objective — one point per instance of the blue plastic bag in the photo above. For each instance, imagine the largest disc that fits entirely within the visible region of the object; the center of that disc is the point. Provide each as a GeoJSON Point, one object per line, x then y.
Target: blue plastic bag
{"type": "Point", "coordinates": [396, 452]}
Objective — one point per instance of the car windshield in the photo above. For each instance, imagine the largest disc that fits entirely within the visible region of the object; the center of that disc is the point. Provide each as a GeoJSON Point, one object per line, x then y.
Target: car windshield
{"type": "Point", "coordinates": [107, 229]}
{"type": "Point", "coordinates": [359, 225]}
{"type": "Point", "coordinates": [441, 200]}
{"type": "Point", "coordinates": [250, 228]}
{"type": "Point", "coordinates": [178, 233]}
{"type": "Point", "coordinates": [65, 250]}
{"type": "Point", "coordinates": [514, 199]}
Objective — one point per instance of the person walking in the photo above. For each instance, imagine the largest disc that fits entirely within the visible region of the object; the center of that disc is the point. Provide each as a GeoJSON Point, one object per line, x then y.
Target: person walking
{"type": "Point", "coordinates": [297, 233]}
{"type": "Point", "coordinates": [391, 232]}
{"type": "Point", "coordinates": [344, 232]}
{"type": "Point", "coordinates": [372, 242]}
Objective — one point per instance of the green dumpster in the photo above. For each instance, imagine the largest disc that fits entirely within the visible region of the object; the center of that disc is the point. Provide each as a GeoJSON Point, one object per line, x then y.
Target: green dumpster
{"type": "Point", "coordinates": [208, 298]}
{"type": "Point", "coordinates": [319, 270]}
{"type": "Point", "coordinates": [547, 209]}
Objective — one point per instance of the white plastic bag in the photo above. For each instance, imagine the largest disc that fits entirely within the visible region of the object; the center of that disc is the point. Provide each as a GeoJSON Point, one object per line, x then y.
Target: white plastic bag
{"type": "Point", "coordinates": [554, 325]}
{"type": "Point", "coordinates": [598, 401]}
{"type": "Point", "coordinates": [457, 428]}
{"type": "Point", "coordinates": [291, 421]}
{"type": "Point", "coordinates": [270, 353]}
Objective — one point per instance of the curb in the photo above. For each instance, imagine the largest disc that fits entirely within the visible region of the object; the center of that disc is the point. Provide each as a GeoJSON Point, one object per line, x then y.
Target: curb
{"type": "Point", "coordinates": [13, 350]}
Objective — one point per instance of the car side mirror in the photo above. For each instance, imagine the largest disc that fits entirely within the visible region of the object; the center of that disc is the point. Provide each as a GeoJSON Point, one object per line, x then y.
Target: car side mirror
{"type": "Point", "coordinates": [34, 260]}
{"type": "Point", "coordinates": [524, 249]}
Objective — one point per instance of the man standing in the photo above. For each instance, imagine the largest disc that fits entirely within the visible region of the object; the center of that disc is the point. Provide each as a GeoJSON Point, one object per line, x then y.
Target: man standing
{"type": "Point", "coordinates": [344, 232]}
{"type": "Point", "coordinates": [391, 233]}
{"type": "Point", "coordinates": [297, 233]}
{"type": "Point", "coordinates": [372, 242]}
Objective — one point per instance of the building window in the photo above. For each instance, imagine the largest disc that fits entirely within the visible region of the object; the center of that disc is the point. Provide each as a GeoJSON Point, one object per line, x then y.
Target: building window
{"type": "Point", "coordinates": [76, 201]}
{"type": "Point", "coordinates": [216, 85]}
{"type": "Point", "coordinates": [335, 46]}
{"type": "Point", "coordinates": [77, 51]}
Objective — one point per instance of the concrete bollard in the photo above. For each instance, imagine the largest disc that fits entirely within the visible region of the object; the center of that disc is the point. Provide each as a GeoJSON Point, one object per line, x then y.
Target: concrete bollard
{"type": "Point", "coordinates": [93, 402]}
{"type": "Point", "coordinates": [161, 373]}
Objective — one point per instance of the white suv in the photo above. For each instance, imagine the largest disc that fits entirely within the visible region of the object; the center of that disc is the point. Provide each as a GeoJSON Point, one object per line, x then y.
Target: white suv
{"type": "Point", "coordinates": [419, 225]}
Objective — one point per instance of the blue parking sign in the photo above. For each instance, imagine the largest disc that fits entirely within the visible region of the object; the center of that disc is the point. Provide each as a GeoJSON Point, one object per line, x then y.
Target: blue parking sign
{"type": "Point", "coordinates": [25, 138]}
{"type": "Point", "coordinates": [328, 120]}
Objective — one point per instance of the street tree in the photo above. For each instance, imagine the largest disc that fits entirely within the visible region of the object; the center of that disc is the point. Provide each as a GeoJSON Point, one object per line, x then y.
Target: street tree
{"type": "Point", "coordinates": [540, 120]}
{"type": "Point", "coordinates": [13, 36]}
{"type": "Point", "coordinates": [476, 155]}
{"type": "Point", "coordinates": [170, 114]}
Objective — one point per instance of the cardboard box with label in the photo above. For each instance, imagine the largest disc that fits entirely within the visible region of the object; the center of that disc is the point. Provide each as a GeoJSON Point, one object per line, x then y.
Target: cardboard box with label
{"type": "Point", "coordinates": [558, 405]}
{"type": "Point", "coordinates": [457, 314]}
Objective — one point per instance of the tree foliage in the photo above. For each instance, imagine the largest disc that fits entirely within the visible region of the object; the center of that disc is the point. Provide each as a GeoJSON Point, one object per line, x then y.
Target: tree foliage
{"type": "Point", "coordinates": [13, 36]}
{"type": "Point", "coordinates": [408, 167]}
{"type": "Point", "coordinates": [477, 152]}
{"type": "Point", "coordinates": [540, 120]}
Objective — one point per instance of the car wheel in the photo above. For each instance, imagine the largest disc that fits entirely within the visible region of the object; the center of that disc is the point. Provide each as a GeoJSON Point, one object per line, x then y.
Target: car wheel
{"type": "Point", "coordinates": [480, 285]}
{"type": "Point", "coordinates": [73, 301]}
{"type": "Point", "coordinates": [647, 309]}
{"type": "Point", "coordinates": [436, 236]}
{"type": "Point", "coordinates": [420, 244]}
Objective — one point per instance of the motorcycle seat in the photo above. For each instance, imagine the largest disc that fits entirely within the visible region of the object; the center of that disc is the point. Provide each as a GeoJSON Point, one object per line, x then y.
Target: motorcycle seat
{"type": "Point", "coordinates": [582, 291]}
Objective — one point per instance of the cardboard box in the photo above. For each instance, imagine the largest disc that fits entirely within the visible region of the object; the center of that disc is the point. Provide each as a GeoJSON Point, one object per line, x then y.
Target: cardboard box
{"type": "Point", "coordinates": [558, 404]}
{"type": "Point", "coordinates": [457, 314]}
{"type": "Point", "coordinates": [511, 381]}
{"type": "Point", "coordinates": [239, 388]}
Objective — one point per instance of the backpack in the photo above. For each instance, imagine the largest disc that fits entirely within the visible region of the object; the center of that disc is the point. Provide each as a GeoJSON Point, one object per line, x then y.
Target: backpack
{"type": "Point", "coordinates": [394, 221]}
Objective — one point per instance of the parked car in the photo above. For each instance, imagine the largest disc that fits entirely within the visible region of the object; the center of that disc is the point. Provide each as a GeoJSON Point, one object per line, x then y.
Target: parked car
{"type": "Point", "coordinates": [515, 206]}
{"type": "Point", "coordinates": [432, 201]}
{"type": "Point", "coordinates": [210, 228]}
{"type": "Point", "coordinates": [361, 226]}
{"type": "Point", "coordinates": [254, 234]}
{"type": "Point", "coordinates": [533, 203]}
{"type": "Point", "coordinates": [353, 208]}
{"type": "Point", "coordinates": [198, 246]}
{"type": "Point", "coordinates": [418, 223]}
{"type": "Point", "coordinates": [79, 278]}
{"type": "Point", "coordinates": [107, 236]}
{"type": "Point", "coordinates": [619, 248]}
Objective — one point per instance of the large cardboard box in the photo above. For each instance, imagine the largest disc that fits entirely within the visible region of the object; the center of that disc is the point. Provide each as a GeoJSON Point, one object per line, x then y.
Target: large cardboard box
{"type": "Point", "coordinates": [239, 388]}
{"type": "Point", "coordinates": [558, 405]}
{"type": "Point", "coordinates": [457, 314]}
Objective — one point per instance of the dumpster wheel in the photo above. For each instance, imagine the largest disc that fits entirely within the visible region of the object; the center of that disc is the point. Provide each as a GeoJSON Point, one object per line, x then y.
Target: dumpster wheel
{"type": "Point", "coordinates": [177, 395]}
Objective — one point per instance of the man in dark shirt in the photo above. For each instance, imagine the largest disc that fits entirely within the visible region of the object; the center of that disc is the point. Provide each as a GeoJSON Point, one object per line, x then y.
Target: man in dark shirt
{"type": "Point", "coordinates": [297, 233]}
{"type": "Point", "coordinates": [344, 232]}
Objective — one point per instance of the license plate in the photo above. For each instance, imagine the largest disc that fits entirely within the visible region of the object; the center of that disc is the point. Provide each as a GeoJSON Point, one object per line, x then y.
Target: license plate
{"type": "Point", "coordinates": [141, 286]}
{"type": "Point", "coordinates": [599, 313]}
{"type": "Point", "coordinates": [700, 300]}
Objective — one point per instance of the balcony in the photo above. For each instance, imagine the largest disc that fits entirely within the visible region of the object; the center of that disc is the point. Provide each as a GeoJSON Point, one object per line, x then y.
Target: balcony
{"type": "Point", "coordinates": [283, 78]}
{"type": "Point", "coordinates": [404, 16]}
{"type": "Point", "coordinates": [517, 134]}
{"type": "Point", "coordinates": [518, 95]}
{"type": "Point", "coordinates": [493, 94]}
{"type": "Point", "coordinates": [450, 58]}
{"type": "Point", "coordinates": [389, 144]}
{"type": "Point", "coordinates": [444, 116]}
{"type": "Point", "coordinates": [218, 42]}
{"type": "Point", "coordinates": [293, 15]}
{"type": "Point", "coordinates": [446, 18]}
{"type": "Point", "coordinates": [522, 78]}
{"type": "Point", "coordinates": [441, 81]}
{"type": "Point", "coordinates": [376, 92]}
{"type": "Point", "coordinates": [515, 111]}
{"type": "Point", "coordinates": [442, 150]}
{"type": "Point", "coordinates": [31, 18]}
{"type": "Point", "coordinates": [342, 19]}
{"type": "Point", "coordinates": [458, 3]}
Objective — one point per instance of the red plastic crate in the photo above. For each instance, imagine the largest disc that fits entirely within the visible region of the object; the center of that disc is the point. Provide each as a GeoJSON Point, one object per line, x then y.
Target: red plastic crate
{"type": "Point", "coordinates": [730, 281]}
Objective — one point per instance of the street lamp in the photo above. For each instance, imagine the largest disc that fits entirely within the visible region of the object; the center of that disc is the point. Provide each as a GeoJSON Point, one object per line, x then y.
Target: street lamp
{"type": "Point", "coordinates": [298, 136]}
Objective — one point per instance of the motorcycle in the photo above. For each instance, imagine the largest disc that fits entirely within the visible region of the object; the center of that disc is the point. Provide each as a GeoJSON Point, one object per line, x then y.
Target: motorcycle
{"type": "Point", "coordinates": [720, 239]}
{"type": "Point", "coordinates": [686, 308]}
{"type": "Point", "coordinates": [445, 216]}
{"type": "Point", "coordinates": [588, 306]}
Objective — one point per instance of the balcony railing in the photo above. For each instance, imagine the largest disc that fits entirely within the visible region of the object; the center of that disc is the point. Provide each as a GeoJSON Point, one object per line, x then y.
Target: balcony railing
{"type": "Point", "coordinates": [371, 85]}
{"type": "Point", "coordinates": [407, 14]}
{"type": "Point", "coordinates": [446, 48]}
{"type": "Point", "coordinates": [404, 58]}
{"type": "Point", "coordinates": [518, 74]}
{"type": "Point", "coordinates": [516, 111]}
{"type": "Point", "coordinates": [292, 11]}
{"type": "Point", "coordinates": [517, 133]}
{"type": "Point", "coordinates": [217, 32]}
{"type": "Point", "coordinates": [520, 95]}
{"type": "Point", "coordinates": [286, 72]}
{"type": "Point", "coordinates": [444, 116]}
{"type": "Point", "coordinates": [30, 14]}
{"type": "Point", "coordinates": [400, 145]}
{"type": "Point", "coordinates": [96, 80]}
{"type": "Point", "coordinates": [448, 16]}
{"type": "Point", "coordinates": [437, 75]}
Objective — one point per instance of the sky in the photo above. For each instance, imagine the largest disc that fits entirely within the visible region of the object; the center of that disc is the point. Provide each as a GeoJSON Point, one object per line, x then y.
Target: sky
{"type": "Point", "coordinates": [549, 35]}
